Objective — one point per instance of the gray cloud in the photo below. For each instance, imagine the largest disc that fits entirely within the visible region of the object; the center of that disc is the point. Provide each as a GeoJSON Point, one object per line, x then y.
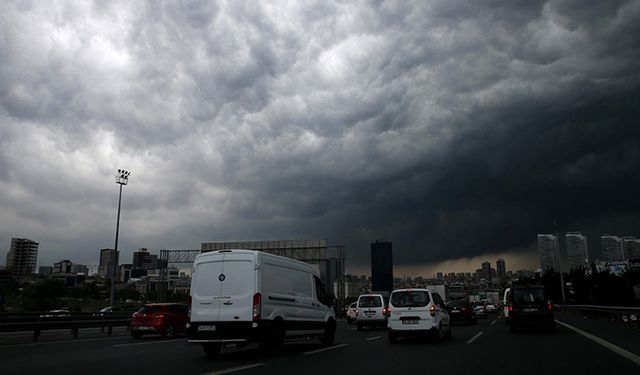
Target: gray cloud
{"type": "Point", "coordinates": [452, 128]}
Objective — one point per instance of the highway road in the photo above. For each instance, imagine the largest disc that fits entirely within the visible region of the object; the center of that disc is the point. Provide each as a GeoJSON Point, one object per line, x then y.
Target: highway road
{"type": "Point", "coordinates": [578, 346]}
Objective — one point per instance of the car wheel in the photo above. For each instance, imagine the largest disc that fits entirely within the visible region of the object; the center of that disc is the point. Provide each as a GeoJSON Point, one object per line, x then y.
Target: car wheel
{"type": "Point", "coordinates": [168, 332]}
{"type": "Point", "coordinates": [211, 349]}
{"type": "Point", "coordinates": [136, 335]}
{"type": "Point", "coordinates": [329, 333]}
{"type": "Point", "coordinates": [552, 327]}
{"type": "Point", "coordinates": [474, 321]}
{"type": "Point", "coordinates": [359, 327]}
{"type": "Point", "coordinates": [448, 333]}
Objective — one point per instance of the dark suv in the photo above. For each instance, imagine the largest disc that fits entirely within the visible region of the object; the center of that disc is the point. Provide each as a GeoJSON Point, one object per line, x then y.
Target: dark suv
{"type": "Point", "coordinates": [460, 310]}
{"type": "Point", "coordinates": [166, 319]}
{"type": "Point", "coordinates": [529, 307]}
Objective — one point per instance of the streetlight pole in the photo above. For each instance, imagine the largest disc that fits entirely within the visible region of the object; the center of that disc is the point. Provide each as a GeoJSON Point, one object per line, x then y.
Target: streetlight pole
{"type": "Point", "coordinates": [122, 178]}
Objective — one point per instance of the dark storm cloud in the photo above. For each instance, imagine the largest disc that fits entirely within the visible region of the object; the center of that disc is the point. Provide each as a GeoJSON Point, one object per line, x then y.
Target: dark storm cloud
{"type": "Point", "coordinates": [452, 128]}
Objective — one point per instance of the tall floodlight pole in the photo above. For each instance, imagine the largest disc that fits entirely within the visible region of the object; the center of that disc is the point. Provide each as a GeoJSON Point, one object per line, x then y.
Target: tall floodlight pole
{"type": "Point", "coordinates": [122, 178]}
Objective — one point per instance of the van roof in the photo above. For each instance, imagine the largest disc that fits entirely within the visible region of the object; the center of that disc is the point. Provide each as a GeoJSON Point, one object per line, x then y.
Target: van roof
{"type": "Point", "coordinates": [254, 253]}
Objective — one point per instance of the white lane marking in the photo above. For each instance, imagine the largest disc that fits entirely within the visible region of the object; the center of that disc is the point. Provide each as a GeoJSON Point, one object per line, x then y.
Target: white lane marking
{"type": "Point", "coordinates": [372, 338]}
{"type": "Point", "coordinates": [615, 348]}
{"type": "Point", "coordinates": [234, 369]}
{"type": "Point", "coordinates": [61, 342]}
{"type": "Point", "coordinates": [494, 322]}
{"type": "Point", "coordinates": [325, 349]}
{"type": "Point", "coordinates": [148, 343]}
{"type": "Point", "coordinates": [475, 337]}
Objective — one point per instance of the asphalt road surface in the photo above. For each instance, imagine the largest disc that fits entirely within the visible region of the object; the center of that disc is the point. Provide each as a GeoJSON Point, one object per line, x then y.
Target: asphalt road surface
{"type": "Point", "coordinates": [579, 346]}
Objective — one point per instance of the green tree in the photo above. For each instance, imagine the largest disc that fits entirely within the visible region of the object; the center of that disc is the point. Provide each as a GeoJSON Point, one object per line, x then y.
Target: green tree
{"type": "Point", "coordinates": [43, 295]}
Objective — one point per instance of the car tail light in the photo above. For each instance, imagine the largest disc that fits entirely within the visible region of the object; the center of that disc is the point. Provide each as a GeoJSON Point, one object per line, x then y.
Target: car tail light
{"type": "Point", "coordinates": [386, 311]}
{"type": "Point", "coordinates": [550, 306]}
{"type": "Point", "coordinates": [257, 306]}
{"type": "Point", "coordinates": [357, 312]}
{"type": "Point", "coordinates": [432, 310]}
{"type": "Point", "coordinates": [509, 307]}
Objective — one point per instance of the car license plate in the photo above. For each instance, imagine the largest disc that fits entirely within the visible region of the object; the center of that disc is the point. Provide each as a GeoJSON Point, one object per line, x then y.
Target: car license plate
{"type": "Point", "coordinates": [206, 328]}
{"type": "Point", "coordinates": [530, 310]}
{"type": "Point", "coordinates": [455, 310]}
{"type": "Point", "coordinates": [410, 321]}
{"type": "Point", "coordinates": [145, 328]}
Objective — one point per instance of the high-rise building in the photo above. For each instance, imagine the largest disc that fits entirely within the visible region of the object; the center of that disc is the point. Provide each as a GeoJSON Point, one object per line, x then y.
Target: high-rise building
{"type": "Point", "coordinates": [22, 258]}
{"type": "Point", "coordinates": [577, 250]}
{"type": "Point", "coordinates": [143, 260]}
{"type": "Point", "coordinates": [45, 270]}
{"type": "Point", "coordinates": [381, 266]}
{"type": "Point", "coordinates": [549, 254]}
{"type": "Point", "coordinates": [108, 259]}
{"type": "Point", "coordinates": [501, 270]}
{"type": "Point", "coordinates": [631, 247]}
{"type": "Point", "coordinates": [486, 271]}
{"type": "Point", "coordinates": [611, 248]}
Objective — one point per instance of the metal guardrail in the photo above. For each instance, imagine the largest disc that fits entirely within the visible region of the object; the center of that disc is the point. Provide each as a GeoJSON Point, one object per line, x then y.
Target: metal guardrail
{"type": "Point", "coordinates": [629, 316]}
{"type": "Point", "coordinates": [37, 322]}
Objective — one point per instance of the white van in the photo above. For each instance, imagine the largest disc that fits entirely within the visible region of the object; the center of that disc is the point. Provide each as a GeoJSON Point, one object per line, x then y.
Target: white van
{"type": "Point", "coordinates": [243, 296]}
{"type": "Point", "coordinates": [417, 312]}
{"type": "Point", "coordinates": [371, 310]}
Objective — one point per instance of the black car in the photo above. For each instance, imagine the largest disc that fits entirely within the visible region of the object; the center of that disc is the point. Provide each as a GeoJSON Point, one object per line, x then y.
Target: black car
{"type": "Point", "coordinates": [460, 310]}
{"type": "Point", "coordinates": [529, 307]}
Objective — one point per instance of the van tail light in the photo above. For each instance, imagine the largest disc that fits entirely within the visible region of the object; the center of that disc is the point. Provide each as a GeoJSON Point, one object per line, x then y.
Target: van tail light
{"type": "Point", "coordinates": [386, 311]}
{"type": "Point", "coordinates": [257, 306]}
{"type": "Point", "coordinates": [432, 310]}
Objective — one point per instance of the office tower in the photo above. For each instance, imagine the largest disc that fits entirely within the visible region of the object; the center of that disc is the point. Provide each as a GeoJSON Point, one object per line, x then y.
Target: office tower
{"type": "Point", "coordinates": [22, 258]}
{"type": "Point", "coordinates": [108, 258]}
{"type": "Point", "coordinates": [142, 260]}
{"type": "Point", "coordinates": [577, 250]}
{"type": "Point", "coordinates": [549, 252]}
{"type": "Point", "coordinates": [381, 266]}
{"type": "Point", "coordinates": [611, 248]}
{"type": "Point", "coordinates": [631, 247]}
{"type": "Point", "coordinates": [63, 266]}
{"type": "Point", "coordinates": [486, 271]}
{"type": "Point", "coordinates": [501, 269]}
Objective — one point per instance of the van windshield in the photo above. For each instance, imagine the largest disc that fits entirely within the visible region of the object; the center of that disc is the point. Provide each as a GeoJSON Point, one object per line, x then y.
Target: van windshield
{"type": "Point", "coordinates": [370, 301]}
{"type": "Point", "coordinates": [410, 299]}
{"type": "Point", "coordinates": [529, 295]}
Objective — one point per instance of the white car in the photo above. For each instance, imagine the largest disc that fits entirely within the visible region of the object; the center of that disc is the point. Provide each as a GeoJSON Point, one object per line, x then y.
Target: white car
{"type": "Point", "coordinates": [243, 296]}
{"type": "Point", "coordinates": [351, 312]}
{"type": "Point", "coordinates": [371, 311]}
{"type": "Point", "coordinates": [417, 312]}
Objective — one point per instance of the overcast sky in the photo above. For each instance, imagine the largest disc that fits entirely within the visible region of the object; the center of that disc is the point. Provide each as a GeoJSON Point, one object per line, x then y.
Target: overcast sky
{"type": "Point", "coordinates": [454, 129]}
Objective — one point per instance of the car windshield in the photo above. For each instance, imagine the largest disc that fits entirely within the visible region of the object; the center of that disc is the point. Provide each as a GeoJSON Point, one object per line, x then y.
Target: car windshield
{"type": "Point", "coordinates": [410, 299]}
{"type": "Point", "coordinates": [149, 309]}
{"type": "Point", "coordinates": [532, 295]}
{"type": "Point", "coordinates": [370, 301]}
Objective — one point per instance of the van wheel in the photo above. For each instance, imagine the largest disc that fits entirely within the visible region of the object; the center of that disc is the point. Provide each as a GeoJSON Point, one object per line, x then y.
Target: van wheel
{"type": "Point", "coordinates": [168, 332]}
{"type": "Point", "coordinates": [274, 339]}
{"type": "Point", "coordinates": [211, 349]}
{"type": "Point", "coordinates": [329, 333]}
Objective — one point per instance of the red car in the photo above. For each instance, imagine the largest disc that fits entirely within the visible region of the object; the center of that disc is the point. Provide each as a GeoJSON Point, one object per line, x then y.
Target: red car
{"type": "Point", "coordinates": [166, 319]}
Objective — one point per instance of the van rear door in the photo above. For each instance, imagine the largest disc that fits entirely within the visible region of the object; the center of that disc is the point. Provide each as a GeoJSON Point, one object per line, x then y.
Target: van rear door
{"type": "Point", "coordinates": [206, 289]}
{"type": "Point", "coordinates": [238, 285]}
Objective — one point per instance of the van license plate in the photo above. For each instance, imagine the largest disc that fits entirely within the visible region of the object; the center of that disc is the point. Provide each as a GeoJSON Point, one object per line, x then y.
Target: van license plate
{"type": "Point", "coordinates": [206, 328]}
